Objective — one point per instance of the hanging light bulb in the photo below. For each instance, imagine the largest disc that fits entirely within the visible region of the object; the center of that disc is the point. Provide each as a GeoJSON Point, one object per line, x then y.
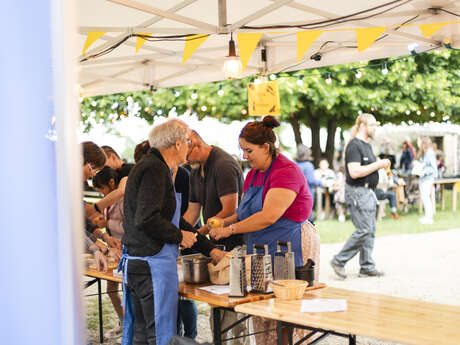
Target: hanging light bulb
{"type": "Point", "coordinates": [272, 76]}
{"type": "Point", "coordinates": [358, 73]}
{"type": "Point", "coordinates": [232, 65]}
{"type": "Point", "coordinates": [385, 69]}
{"type": "Point", "coordinates": [328, 78]}
{"type": "Point", "coordinates": [176, 93]}
{"type": "Point", "coordinates": [194, 94]}
{"type": "Point", "coordinates": [300, 81]}
{"type": "Point", "coordinates": [221, 91]}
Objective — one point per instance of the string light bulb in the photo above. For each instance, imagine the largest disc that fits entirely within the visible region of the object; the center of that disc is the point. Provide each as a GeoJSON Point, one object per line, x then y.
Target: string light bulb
{"type": "Point", "coordinates": [328, 78]}
{"type": "Point", "coordinates": [358, 73]}
{"type": "Point", "coordinates": [272, 76]}
{"type": "Point", "coordinates": [232, 65]}
{"type": "Point", "coordinates": [176, 93]}
{"type": "Point", "coordinates": [194, 94]}
{"type": "Point", "coordinates": [385, 69]}
{"type": "Point", "coordinates": [221, 91]}
{"type": "Point", "coordinates": [300, 81]}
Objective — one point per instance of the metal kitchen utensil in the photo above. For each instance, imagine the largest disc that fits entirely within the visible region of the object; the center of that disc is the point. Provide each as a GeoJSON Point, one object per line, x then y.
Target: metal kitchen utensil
{"type": "Point", "coordinates": [195, 268]}
{"type": "Point", "coordinates": [261, 270]}
{"type": "Point", "coordinates": [284, 264]}
{"type": "Point", "coordinates": [238, 284]}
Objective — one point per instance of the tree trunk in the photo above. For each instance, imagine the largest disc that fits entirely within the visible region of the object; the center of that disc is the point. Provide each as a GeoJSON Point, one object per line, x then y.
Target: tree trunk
{"type": "Point", "coordinates": [330, 149]}
{"type": "Point", "coordinates": [315, 127]}
{"type": "Point", "coordinates": [296, 128]}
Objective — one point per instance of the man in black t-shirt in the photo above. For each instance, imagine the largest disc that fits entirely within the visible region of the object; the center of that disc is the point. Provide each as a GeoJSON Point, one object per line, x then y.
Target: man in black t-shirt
{"type": "Point", "coordinates": [216, 185]}
{"type": "Point", "coordinates": [361, 169]}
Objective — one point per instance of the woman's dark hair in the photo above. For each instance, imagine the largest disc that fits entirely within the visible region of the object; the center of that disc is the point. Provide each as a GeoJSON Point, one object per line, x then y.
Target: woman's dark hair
{"type": "Point", "coordinates": [261, 132]}
{"type": "Point", "coordinates": [104, 176]}
{"type": "Point", "coordinates": [140, 150]}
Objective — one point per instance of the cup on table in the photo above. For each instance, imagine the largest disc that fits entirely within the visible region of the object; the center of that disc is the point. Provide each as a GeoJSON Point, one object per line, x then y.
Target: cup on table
{"type": "Point", "coordinates": [305, 273]}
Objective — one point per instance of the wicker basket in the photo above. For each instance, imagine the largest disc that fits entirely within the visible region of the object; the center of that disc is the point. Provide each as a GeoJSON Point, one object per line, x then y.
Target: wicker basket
{"type": "Point", "coordinates": [290, 289]}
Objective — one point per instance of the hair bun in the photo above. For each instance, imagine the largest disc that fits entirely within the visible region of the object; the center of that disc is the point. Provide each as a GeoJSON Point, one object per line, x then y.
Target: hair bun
{"type": "Point", "coordinates": [270, 122]}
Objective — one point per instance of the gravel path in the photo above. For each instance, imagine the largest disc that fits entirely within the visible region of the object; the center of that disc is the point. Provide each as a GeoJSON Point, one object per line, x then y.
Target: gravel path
{"type": "Point", "coordinates": [423, 267]}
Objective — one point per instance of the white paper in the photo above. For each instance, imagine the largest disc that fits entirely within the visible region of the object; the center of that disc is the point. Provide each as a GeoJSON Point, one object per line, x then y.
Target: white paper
{"type": "Point", "coordinates": [217, 289]}
{"type": "Point", "coordinates": [321, 305]}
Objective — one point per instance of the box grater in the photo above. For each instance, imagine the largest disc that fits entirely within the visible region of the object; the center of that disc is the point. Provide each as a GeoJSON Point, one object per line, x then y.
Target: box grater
{"type": "Point", "coordinates": [283, 262]}
{"type": "Point", "coordinates": [238, 284]}
{"type": "Point", "coordinates": [261, 270]}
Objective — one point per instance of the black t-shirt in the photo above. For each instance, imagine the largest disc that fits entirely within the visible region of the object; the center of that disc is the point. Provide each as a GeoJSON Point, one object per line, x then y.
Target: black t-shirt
{"type": "Point", "coordinates": [182, 184]}
{"type": "Point", "coordinates": [222, 176]}
{"type": "Point", "coordinates": [124, 170]}
{"type": "Point", "coordinates": [360, 152]}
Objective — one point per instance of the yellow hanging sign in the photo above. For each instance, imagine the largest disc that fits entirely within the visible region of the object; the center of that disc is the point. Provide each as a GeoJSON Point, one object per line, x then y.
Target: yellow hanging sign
{"type": "Point", "coordinates": [140, 40]}
{"type": "Point", "coordinates": [304, 40]}
{"type": "Point", "coordinates": [192, 43]}
{"type": "Point", "coordinates": [264, 99]}
{"type": "Point", "coordinates": [92, 37]}
{"type": "Point", "coordinates": [366, 37]}
{"type": "Point", "coordinates": [247, 43]}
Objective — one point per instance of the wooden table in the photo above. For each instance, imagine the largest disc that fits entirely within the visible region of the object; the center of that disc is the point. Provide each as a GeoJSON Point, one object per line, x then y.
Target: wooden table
{"type": "Point", "coordinates": [320, 191]}
{"type": "Point", "coordinates": [192, 291]}
{"type": "Point", "coordinates": [446, 181]}
{"type": "Point", "coordinates": [372, 315]}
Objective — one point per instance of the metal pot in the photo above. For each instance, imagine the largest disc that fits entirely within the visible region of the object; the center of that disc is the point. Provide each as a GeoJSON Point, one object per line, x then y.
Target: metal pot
{"type": "Point", "coordinates": [195, 268]}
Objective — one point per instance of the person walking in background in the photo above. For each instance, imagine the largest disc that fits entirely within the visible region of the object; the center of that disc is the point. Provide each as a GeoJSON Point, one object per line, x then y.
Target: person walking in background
{"type": "Point", "coordinates": [427, 176]}
{"type": "Point", "coordinates": [405, 162]}
{"type": "Point", "coordinates": [362, 177]}
{"type": "Point", "coordinates": [303, 160]}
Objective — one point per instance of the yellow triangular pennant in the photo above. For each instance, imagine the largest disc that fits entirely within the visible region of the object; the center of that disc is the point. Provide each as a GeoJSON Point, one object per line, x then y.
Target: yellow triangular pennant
{"type": "Point", "coordinates": [92, 37]}
{"type": "Point", "coordinates": [304, 40]}
{"type": "Point", "coordinates": [140, 41]}
{"type": "Point", "coordinates": [368, 36]}
{"type": "Point", "coordinates": [429, 30]}
{"type": "Point", "coordinates": [192, 43]}
{"type": "Point", "coordinates": [247, 42]}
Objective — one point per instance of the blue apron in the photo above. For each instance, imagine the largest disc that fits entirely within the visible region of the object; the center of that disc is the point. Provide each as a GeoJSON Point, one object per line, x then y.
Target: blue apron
{"type": "Point", "coordinates": [163, 269]}
{"type": "Point", "coordinates": [282, 230]}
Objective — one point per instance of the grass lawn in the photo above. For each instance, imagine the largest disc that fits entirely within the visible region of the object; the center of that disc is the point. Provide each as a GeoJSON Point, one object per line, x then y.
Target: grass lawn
{"type": "Point", "coordinates": [332, 230]}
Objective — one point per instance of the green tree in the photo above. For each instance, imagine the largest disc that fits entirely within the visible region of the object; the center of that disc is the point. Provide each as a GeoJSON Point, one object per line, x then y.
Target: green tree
{"type": "Point", "coordinates": [416, 89]}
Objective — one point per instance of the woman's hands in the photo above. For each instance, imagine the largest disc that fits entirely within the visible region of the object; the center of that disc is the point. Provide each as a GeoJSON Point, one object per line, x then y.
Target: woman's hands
{"type": "Point", "coordinates": [217, 255]}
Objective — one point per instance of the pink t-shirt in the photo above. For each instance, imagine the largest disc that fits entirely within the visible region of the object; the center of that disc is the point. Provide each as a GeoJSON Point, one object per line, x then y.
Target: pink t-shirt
{"type": "Point", "coordinates": [284, 173]}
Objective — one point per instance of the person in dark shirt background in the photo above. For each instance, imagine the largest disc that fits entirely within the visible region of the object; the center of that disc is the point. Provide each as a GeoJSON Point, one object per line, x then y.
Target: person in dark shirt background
{"type": "Point", "coordinates": [361, 168]}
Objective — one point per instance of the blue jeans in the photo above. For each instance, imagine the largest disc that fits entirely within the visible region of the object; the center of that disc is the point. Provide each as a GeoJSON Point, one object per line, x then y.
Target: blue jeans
{"type": "Point", "coordinates": [389, 194]}
{"type": "Point", "coordinates": [187, 317]}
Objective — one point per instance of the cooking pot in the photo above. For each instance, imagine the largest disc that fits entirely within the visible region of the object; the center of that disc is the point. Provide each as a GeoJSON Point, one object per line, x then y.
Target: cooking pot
{"type": "Point", "coordinates": [195, 268]}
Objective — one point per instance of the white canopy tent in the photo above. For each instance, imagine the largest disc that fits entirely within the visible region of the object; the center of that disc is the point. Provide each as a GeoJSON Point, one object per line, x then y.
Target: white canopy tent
{"type": "Point", "coordinates": [159, 64]}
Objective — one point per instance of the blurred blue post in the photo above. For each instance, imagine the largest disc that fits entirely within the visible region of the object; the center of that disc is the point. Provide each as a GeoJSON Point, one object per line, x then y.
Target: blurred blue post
{"type": "Point", "coordinates": [39, 286]}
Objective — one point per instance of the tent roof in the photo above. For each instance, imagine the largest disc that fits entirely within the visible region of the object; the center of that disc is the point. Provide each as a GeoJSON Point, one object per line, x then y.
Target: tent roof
{"type": "Point", "coordinates": [160, 63]}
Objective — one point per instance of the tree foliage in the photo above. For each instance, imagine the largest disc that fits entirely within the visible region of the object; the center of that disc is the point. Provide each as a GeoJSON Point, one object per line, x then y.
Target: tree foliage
{"type": "Point", "coordinates": [416, 89]}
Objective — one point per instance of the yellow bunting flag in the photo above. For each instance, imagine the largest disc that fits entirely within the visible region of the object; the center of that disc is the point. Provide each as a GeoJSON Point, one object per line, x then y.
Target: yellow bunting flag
{"type": "Point", "coordinates": [264, 99]}
{"type": "Point", "coordinates": [429, 30]}
{"type": "Point", "coordinates": [192, 43]}
{"type": "Point", "coordinates": [247, 43]}
{"type": "Point", "coordinates": [304, 40]}
{"type": "Point", "coordinates": [140, 40]}
{"type": "Point", "coordinates": [366, 37]}
{"type": "Point", "coordinates": [92, 37]}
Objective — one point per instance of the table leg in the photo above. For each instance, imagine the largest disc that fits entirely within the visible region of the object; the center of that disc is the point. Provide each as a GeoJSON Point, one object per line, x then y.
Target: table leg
{"type": "Point", "coordinates": [319, 202]}
{"type": "Point", "coordinates": [352, 339]}
{"type": "Point", "coordinates": [99, 297]}
{"type": "Point", "coordinates": [216, 326]}
{"type": "Point", "coordinates": [327, 204]}
{"type": "Point", "coordinates": [442, 197]}
{"type": "Point", "coordinates": [454, 197]}
{"type": "Point", "coordinates": [279, 333]}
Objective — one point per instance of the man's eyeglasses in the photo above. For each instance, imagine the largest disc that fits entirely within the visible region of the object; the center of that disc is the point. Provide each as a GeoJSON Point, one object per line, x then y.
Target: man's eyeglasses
{"type": "Point", "coordinates": [189, 142]}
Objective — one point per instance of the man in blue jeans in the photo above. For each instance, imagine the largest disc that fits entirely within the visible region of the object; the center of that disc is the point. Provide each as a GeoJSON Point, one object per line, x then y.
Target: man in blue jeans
{"type": "Point", "coordinates": [361, 168]}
